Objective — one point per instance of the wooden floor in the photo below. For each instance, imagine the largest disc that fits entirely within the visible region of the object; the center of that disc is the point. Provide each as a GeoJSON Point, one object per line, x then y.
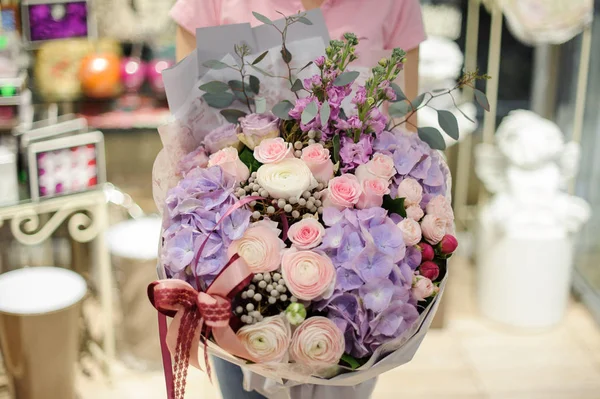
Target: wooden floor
{"type": "Point", "coordinates": [470, 358]}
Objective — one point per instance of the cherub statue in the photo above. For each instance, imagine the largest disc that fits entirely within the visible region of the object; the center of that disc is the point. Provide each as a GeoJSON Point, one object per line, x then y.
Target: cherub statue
{"type": "Point", "coordinates": [528, 170]}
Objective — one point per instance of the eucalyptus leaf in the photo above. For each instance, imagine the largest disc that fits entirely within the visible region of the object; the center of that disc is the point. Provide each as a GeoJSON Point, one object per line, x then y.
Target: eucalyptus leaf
{"type": "Point", "coordinates": [254, 84]}
{"type": "Point", "coordinates": [325, 112]}
{"type": "Point", "coordinates": [232, 115]}
{"type": "Point", "coordinates": [309, 112]}
{"type": "Point", "coordinates": [418, 101]}
{"type": "Point", "coordinates": [399, 93]}
{"type": "Point", "coordinates": [262, 18]}
{"type": "Point", "coordinates": [282, 109]}
{"type": "Point", "coordinates": [433, 137]}
{"type": "Point", "coordinates": [297, 86]}
{"type": "Point", "coordinates": [482, 99]}
{"type": "Point", "coordinates": [260, 58]}
{"type": "Point", "coordinates": [305, 66]}
{"type": "Point", "coordinates": [286, 55]}
{"type": "Point", "coordinates": [260, 104]}
{"type": "Point", "coordinates": [399, 109]}
{"type": "Point", "coordinates": [336, 148]}
{"type": "Point", "coordinates": [448, 123]}
{"type": "Point", "coordinates": [219, 100]}
{"type": "Point", "coordinates": [262, 71]}
{"type": "Point", "coordinates": [238, 89]}
{"type": "Point", "coordinates": [465, 115]}
{"type": "Point", "coordinates": [214, 87]}
{"type": "Point", "coordinates": [305, 21]}
{"type": "Point", "coordinates": [394, 205]}
{"type": "Point", "coordinates": [439, 90]}
{"type": "Point", "coordinates": [350, 361]}
{"type": "Point", "coordinates": [346, 78]}
{"type": "Point", "coordinates": [215, 64]}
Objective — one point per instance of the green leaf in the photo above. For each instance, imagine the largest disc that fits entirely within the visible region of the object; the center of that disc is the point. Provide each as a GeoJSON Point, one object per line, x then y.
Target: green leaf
{"type": "Point", "coordinates": [418, 101]}
{"type": "Point", "coordinates": [336, 148]}
{"type": "Point", "coordinates": [346, 78]}
{"type": "Point", "coordinates": [260, 104]}
{"type": "Point", "coordinates": [219, 100]}
{"type": "Point", "coordinates": [482, 99]}
{"type": "Point", "coordinates": [465, 115]}
{"type": "Point", "coordinates": [238, 90]}
{"type": "Point", "coordinates": [214, 87]}
{"type": "Point", "coordinates": [433, 137]}
{"type": "Point", "coordinates": [247, 157]}
{"type": "Point", "coordinates": [286, 55]}
{"type": "Point", "coordinates": [305, 21]}
{"type": "Point", "coordinates": [282, 109]}
{"type": "Point", "coordinates": [305, 66]}
{"type": "Point", "coordinates": [309, 112]}
{"type": "Point", "coordinates": [448, 123]}
{"type": "Point", "coordinates": [399, 109]}
{"type": "Point", "coordinates": [325, 112]}
{"type": "Point", "coordinates": [262, 71]}
{"type": "Point", "coordinates": [254, 84]}
{"type": "Point", "coordinates": [260, 58]}
{"type": "Point", "coordinates": [232, 115]}
{"type": "Point", "coordinates": [215, 64]}
{"type": "Point", "coordinates": [394, 205]}
{"type": "Point", "coordinates": [297, 86]}
{"type": "Point", "coordinates": [262, 18]}
{"type": "Point", "coordinates": [439, 90]}
{"type": "Point", "coordinates": [350, 361]}
{"type": "Point", "coordinates": [399, 93]}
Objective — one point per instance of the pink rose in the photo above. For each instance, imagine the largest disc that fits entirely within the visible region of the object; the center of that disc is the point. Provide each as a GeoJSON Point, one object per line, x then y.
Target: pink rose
{"type": "Point", "coordinates": [317, 158]}
{"type": "Point", "coordinates": [229, 160]}
{"type": "Point", "coordinates": [414, 212]}
{"type": "Point", "coordinates": [317, 343]}
{"type": "Point", "coordinates": [423, 288]}
{"type": "Point", "coordinates": [381, 166]}
{"type": "Point", "coordinates": [268, 340]}
{"type": "Point", "coordinates": [260, 247]}
{"type": "Point", "coordinates": [343, 192]}
{"type": "Point", "coordinates": [411, 232]}
{"type": "Point", "coordinates": [373, 191]}
{"type": "Point", "coordinates": [411, 191]}
{"type": "Point", "coordinates": [222, 137]}
{"type": "Point", "coordinates": [306, 234]}
{"type": "Point", "coordinates": [433, 228]}
{"type": "Point", "coordinates": [195, 159]}
{"type": "Point", "coordinates": [430, 270]}
{"type": "Point", "coordinates": [258, 127]}
{"type": "Point", "coordinates": [272, 150]}
{"type": "Point", "coordinates": [440, 207]}
{"type": "Point", "coordinates": [308, 275]}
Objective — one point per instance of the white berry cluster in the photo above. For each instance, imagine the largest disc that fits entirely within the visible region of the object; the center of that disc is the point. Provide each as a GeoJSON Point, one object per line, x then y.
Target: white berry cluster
{"type": "Point", "coordinates": [266, 296]}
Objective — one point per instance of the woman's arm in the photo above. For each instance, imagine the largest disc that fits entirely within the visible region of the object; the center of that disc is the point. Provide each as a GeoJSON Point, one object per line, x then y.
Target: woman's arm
{"type": "Point", "coordinates": [411, 83]}
{"type": "Point", "coordinates": [185, 43]}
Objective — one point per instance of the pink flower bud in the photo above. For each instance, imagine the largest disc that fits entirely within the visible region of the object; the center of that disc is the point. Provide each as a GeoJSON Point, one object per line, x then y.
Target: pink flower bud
{"type": "Point", "coordinates": [427, 252]}
{"type": "Point", "coordinates": [448, 244]}
{"type": "Point", "coordinates": [430, 270]}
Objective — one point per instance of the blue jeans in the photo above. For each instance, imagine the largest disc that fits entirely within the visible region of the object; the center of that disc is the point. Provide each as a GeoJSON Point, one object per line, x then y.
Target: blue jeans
{"type": "Point", "coordinates": [231, 381]}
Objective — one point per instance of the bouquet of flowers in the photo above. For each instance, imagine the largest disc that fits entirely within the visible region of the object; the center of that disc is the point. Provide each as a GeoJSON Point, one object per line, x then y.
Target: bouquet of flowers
{"type": "Point", "coordinates": [307, 243]}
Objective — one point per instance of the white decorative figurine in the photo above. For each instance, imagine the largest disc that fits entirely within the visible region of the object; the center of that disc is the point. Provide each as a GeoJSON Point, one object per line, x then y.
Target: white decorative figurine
{"type": "Point", "coordinates": [524, 253]}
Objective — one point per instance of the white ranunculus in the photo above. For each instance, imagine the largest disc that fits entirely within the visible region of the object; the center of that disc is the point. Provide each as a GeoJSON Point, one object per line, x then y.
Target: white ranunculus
{"type": "Point", "coordinates": [267, 341]}
{"type": "Point", "coordinates": [286, 179]}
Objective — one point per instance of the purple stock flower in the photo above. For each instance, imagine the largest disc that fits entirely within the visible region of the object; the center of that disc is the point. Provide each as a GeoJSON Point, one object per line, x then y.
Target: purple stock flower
{"type": "Point", "coordinates": [361, 96]}
{"type": "Point", "coordinates": [353, 154]}
{"type": "Point", "coordinates": [377, 121]}
{"type": "Point", "coordinates": [312, 82]}
{"type": "Point", "coordinates": [301, 103]}
{"type": "Point", "coordinates": [320, 61]}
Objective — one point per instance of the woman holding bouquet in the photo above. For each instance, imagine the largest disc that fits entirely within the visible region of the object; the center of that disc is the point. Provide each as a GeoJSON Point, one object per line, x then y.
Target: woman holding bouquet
{"type": "Point", "coordinates": [380, 25]}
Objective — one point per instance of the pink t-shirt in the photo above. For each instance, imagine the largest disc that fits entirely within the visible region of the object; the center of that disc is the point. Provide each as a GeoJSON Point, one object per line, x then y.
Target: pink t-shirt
{"type": "Point", "coordinates": [379, 24]}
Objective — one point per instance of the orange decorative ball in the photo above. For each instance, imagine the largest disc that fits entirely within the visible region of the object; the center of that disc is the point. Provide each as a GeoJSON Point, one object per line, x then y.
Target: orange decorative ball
{"type": "Point", "coordinates": [100, 75]}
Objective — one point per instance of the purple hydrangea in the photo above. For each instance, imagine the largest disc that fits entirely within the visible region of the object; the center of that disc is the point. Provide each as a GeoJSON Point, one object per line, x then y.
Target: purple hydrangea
{"type": "Point", "coordinates": [353, 154]}
{"type": "Point", "coordinates": [415, 159]}
{"type": "Point", "coordinates": [193, 209]}
{"type": "Point", "coordinates": [372, 300]}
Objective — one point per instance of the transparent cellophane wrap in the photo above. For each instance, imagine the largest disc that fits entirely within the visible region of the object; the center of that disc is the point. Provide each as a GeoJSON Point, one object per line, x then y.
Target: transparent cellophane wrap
{"type": "Point", "coordinates": [192, 120]}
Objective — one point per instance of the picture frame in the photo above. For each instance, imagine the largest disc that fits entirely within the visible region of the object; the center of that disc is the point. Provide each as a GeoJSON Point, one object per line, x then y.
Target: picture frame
{"type": "Point", "coordinates": [66, 165]}
{"type": "Point", "coordinates": [48, 20]}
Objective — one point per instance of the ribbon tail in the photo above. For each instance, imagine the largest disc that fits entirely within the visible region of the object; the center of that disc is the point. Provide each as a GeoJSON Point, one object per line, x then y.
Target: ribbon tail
{"type": "Point", "coordinates": [226, 339]}
{"type": "Point", "coordinates": [166, 356]}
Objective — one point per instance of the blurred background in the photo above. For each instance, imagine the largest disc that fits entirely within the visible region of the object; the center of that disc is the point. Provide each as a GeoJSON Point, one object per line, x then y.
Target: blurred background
{"type": "Point", "coordinates": [81, 97]}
